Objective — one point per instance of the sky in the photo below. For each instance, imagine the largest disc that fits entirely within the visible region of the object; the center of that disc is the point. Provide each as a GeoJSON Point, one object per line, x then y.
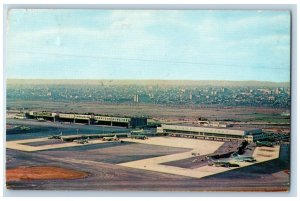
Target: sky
{"type": "Point", "coordinates": [148, 44]}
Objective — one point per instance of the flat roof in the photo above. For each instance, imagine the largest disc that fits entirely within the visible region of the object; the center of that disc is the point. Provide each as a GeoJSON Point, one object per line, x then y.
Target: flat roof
{"type": "Point", "coordinates": [215, 127]}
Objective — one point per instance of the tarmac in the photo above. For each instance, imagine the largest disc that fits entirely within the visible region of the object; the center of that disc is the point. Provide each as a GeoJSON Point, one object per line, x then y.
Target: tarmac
{"type": "Point", "coordinates": [23, 145]}
{"type": "Point", "coordinates": [195, 146]}
{"type": "Point", "coordinates": [100, 162]}
{"type": "Point", "coordinates": [198, 146]}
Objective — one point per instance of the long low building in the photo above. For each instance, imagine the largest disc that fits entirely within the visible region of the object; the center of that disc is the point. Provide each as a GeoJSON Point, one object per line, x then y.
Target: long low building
{"type": "Point", "coordinates": [129, 122]}
{"type": "Point", "coordinates": [232, 133]}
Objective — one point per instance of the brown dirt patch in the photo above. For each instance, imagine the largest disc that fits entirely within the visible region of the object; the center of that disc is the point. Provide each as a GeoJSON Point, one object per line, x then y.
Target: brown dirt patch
{"type": "Point", "coordinates": [42, 172]}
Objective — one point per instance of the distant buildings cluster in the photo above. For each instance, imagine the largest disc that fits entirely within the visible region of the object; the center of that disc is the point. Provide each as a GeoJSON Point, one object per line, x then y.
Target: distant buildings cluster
{"type": "Point", "coordinates": [172, 95]}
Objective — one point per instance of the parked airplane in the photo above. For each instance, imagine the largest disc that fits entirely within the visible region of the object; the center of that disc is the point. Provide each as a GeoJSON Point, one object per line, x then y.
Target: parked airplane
{"type": "Point", "coordinates": [218, 163]}
{"type": "Point", "coordinates": [82, 141]}
{"type": "Point", "coordinates": [240, 158]}
{"type": "Point", "coordinates": [55, 136]}
{"type": "Point", "coordinates": [114, 138]}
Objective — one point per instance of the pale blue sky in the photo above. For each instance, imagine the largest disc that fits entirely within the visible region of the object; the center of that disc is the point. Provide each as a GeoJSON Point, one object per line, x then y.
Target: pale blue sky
{"type": "Point", "coordinates": [141, 44]}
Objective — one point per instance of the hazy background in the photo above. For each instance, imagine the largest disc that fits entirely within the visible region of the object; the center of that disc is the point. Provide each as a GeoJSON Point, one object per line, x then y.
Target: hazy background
{"type": "Point", "coordinates": [148, 44]}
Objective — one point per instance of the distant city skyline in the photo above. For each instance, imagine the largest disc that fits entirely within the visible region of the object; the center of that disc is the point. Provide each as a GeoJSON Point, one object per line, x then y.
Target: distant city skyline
{"type": "Point", "coordinates": [145, 44]}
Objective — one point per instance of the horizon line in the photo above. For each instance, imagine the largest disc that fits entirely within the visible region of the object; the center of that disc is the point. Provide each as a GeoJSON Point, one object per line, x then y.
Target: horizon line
{"type": "Point", "coordinates": [61, 79]}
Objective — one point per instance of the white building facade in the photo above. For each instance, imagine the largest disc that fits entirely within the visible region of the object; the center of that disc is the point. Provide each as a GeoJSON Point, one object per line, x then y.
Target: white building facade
{"type": "Point", "coordinates": [211, 133]}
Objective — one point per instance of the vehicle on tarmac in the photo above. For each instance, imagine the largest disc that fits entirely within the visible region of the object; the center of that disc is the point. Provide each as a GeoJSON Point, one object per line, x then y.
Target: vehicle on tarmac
{"type": "Point", "coordinates": [19, 117]}
{"type": "Point", "coordinates": [40, 119]}
{"type": "Point", "coordinates": [140, 137]}
{"type": "Point", "coordinates": [24, 128]}
{"type": "Point", "coordinates": [82, 141]}
{"type": "Point", "coordinates": [264, 144]}
{"type": "Point", "coordinates": [114, 138]}
{"type": "Point", "coordinates": [138, 134]}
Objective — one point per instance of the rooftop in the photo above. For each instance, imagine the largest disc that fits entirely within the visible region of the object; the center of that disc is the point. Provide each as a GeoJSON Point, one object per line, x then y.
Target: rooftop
{"type": "Point", "coordinates": [221, 128]}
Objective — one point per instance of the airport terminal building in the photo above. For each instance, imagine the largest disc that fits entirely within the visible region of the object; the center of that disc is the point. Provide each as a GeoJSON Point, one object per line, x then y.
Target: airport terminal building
{"type": "Point", "coordinates": [212, 133]}
{"type": "Point", "coordinates": [128, 122]}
